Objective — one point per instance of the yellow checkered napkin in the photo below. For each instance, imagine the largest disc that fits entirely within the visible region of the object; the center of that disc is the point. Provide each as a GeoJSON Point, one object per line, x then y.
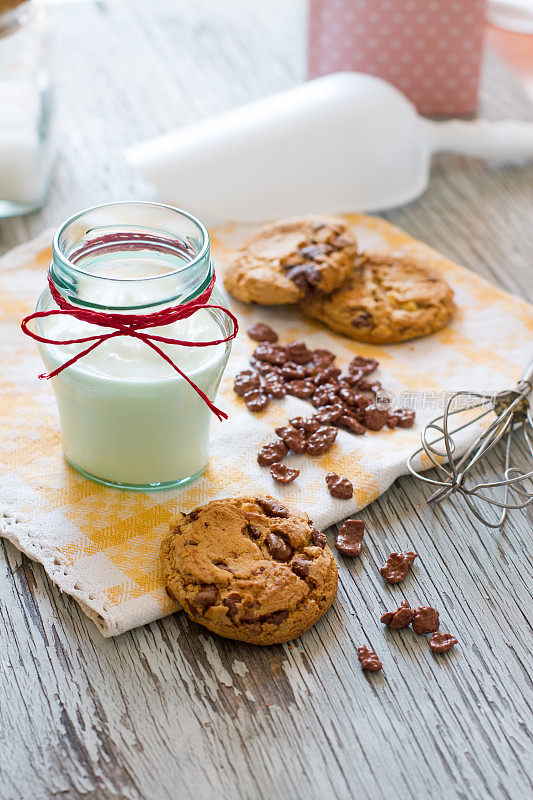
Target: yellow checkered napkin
{"type": "Point", "coordinates": [101, 545]}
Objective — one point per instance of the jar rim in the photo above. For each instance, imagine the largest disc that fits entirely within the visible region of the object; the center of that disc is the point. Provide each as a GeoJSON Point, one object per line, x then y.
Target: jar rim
{"type": "Point", "coordinates": [70, 265]}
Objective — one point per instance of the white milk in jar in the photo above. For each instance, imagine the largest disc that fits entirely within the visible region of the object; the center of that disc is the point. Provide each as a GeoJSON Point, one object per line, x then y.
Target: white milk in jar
{"type": "Point", "coordinates": [127, 417]}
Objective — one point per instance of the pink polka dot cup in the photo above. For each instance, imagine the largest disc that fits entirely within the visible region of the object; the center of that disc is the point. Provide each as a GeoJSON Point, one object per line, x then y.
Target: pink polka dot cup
{"type": "Point", "coordinates": [430, 49]}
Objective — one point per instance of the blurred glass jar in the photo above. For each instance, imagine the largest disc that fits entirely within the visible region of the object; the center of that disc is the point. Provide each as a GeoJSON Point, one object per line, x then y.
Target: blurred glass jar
{"type": "Point", "coordinates": [25, 107]}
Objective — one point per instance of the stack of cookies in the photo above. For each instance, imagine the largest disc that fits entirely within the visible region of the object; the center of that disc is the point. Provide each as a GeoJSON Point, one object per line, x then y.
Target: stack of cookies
{"type": "Point", "coordinates": [313, 262]}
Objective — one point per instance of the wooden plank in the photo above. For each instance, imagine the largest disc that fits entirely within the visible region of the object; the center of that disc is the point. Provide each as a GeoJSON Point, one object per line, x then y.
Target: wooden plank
{"type": "Point", "coordinates": [169, 711]}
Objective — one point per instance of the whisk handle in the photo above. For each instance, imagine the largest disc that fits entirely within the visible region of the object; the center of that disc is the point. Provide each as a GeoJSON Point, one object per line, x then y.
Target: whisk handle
{"type": "Point", "coordinates": [527, 375]}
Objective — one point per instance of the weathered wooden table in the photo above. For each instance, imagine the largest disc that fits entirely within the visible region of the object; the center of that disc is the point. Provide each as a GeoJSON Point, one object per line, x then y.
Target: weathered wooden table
{"type": "Point", "coordinates": [170, 712]}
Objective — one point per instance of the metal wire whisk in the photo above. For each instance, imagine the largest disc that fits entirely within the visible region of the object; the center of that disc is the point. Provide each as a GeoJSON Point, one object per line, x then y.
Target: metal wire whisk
{"type": "Point", "coordinates": [512, 418]}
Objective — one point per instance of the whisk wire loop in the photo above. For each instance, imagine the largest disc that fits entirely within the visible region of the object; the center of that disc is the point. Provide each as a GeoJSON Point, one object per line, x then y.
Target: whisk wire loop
{"type": "Point", "coordinates": [512, 411]}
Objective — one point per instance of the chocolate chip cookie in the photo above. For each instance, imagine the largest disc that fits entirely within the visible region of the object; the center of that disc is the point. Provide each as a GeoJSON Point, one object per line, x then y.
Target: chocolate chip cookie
{"type": "Point", "coordinates": [248, 568]}
{"type": "Point", "coordinates": [291, 259]}
{"type": "Point", "coordinates": [385, 299]}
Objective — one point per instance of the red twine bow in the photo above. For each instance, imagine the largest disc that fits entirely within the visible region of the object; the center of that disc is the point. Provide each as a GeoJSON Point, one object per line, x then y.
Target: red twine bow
{"type": "Point", "coordinates": [132, 325]}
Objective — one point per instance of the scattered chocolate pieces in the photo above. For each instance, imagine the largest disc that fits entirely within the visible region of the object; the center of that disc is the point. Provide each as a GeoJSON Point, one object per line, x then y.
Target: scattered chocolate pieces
{"type": "Point", "coordinates": [256, 400]}
{"type": "Point", "coordinates": [349, 401]}
{"type": "Point", "coordinates": [401, 618]}
{"type": "Point", "coordinates": [328, 414]}
{"type": "Point", "coordinates": [339, 487]}
{"type": "Point", "coordinates": [300, 388]}
{"type": "Point", "coordinates": [325, 395]}
{"type": "Point", "coordinates": [262, 333]}
{"type": "Point", "coordinates": [374, 418]}
{"type": "Point", "coordinates": [271, 353]}
{"type": "Point", "coordinates": [294, 439]}
{"type": "Point", "coordinates": [307, 424]}
{"type": "Point", "coordinates": [368, 659]}
{"type": "Point", "coordinates": [245, 381]}
{"type": "Point", "coordinates": [298, 352]}
{"type": "Point", "coordinates": [349, 539]}
{"type": "Point", "coordinates": [271, 454]}
{"type": "Point", "coordinates": [347, 421]}
{"type": "Point", "coordinates": [401, 418]}
{"type": "Point", "coordinates": [396, 567]}
{"type": "Point", "coordinates": [365, 365]}
{"type": "Point", "coordinates": [442, 642]}
{"type": "Point", "coordinates": [283, 474]}
{"type": "Point", "coordinates": [425, 620]}
{"type": "Point", "coordinates": [321, 441]}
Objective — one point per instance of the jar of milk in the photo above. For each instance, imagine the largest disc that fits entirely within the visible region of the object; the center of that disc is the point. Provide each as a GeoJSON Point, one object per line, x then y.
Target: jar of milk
{"type": "Point", "coordinates": [25, 107]}
{"type": "Point", "coordinates": [128, 418]}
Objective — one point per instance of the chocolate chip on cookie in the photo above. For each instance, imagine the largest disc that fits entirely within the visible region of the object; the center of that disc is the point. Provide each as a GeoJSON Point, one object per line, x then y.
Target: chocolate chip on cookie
{"type": "Point", "coordinates": [271, 507]}
{"type": "Point", "coordinates": [278, 547]}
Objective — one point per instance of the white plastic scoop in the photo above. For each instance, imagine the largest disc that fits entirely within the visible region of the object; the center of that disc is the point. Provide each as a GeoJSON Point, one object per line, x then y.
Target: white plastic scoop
{"type": "Point", "coordinates": [344, 142]}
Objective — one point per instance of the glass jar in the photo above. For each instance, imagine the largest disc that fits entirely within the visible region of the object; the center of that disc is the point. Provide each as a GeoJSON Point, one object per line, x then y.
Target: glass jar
{"type": "Point", "coordinates": [128, 419]}
{"type": "Point", "coordinates": [25, 107]}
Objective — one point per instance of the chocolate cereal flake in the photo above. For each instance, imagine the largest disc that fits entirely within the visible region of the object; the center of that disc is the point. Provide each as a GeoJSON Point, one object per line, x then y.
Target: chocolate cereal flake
{"type": "Point", "coordinates": [349, 539]}
{"type": "Point", "coordinates": [339, 487]}
{"type": "Point", "coordinates": [294, 439]}
{"type": "Point", "coordinates": [283, 474]}
{"type": "Point", "coordinates": [395, 569]}
{"type": "Point", "coordinates": [366, 365]}
{"type": "Point", "coordinates": [368, 659]}
{"type": "Point", "coordinates": [307, 424]}
{"type": "Point", "coordinates": [441, 642]}
{"type": "Point", "coordinates": [401, 618]}
{"type": "Point", "coordinates": [298, 352]}
{"type": "Point", "coordinates": [327, 414]}
{"type": "Point", "coordinates": [256, 400]}
{"type": "Point", "coordinates": [425, 620]}
{"type": "Point", "coordinates": [374, 418]}
{"type": "Point", "coordinates": [271, 454]}
{"type": "Point", "coordinates": [301, 388]}
{"type": "Point", "coordinates": [271, 353]}
{"type": "Point", "coordinates": [245, 381]}
{"type": "Point", "coordinates": [262, 333]}
{"type": "Point", "coordinates": [323, 440]}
